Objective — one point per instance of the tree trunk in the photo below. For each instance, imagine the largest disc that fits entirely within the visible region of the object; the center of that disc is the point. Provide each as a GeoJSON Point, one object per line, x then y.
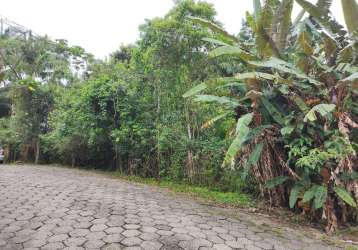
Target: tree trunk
{"type": "Point", "coordinates": [37, 155]}
{"type": "Point", "coordinates": [73, 160]}
{"type": "Point", "coordinates": [158, 133]}
{"type": "Point", "coordinates": [14, 154]}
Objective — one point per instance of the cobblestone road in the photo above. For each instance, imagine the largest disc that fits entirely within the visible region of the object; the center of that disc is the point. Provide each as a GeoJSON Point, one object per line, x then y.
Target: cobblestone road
{"type": "Point", "coordinates": [56, 208]}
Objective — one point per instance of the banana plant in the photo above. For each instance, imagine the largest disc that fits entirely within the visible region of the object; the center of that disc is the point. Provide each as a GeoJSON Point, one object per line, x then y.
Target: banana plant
{"type": "Point", "coordinates": [296, 78]}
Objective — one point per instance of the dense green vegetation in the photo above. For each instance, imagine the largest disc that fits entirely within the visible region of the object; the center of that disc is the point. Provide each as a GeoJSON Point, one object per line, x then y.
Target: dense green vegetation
{"type": "Point", "coordinates": [272, 110]}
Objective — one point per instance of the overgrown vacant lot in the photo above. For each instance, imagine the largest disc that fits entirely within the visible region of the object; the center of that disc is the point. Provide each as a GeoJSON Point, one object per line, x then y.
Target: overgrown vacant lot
{"type": "Point", "coordinates": [269, 113]}
{"type": "Point", "coordinates": [43, 207]}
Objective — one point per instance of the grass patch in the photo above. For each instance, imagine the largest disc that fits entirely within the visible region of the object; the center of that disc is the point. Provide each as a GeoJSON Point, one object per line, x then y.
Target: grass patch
{"type": "Point", "coordinates": [234, 199]}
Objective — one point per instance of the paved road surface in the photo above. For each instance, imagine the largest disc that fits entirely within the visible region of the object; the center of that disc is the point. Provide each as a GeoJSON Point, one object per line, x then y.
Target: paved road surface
{"type": "Point", "coordinates": [56, 208]}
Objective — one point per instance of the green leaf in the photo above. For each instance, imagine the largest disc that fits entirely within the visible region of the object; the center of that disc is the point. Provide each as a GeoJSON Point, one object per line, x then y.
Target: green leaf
{"type": "Point", "coordinates": [300, 103]}
{"type": "Point", "coordinates": [243, 123]}
{"type": "Point", "coordinates": [233, 84]}
{"type": "Point", "coordinates": [283, 23]}
{"type": "Point", "coordinates": [350, 11]}
{"type": "Point", "coordinates": [253, 159]}
{"type": "Point", "coordinates": [351, 77]}
{"type": "Point", "coordinates": [322, 17]}
{"type": "Point", "coordinates": [324, 5]}
{"type": "Point", "coordinates": [276, 181]}
{"type": "Point", "coordinates": [213, 120]}
{"type": "Point", "coordinates": [320, 197]}
{"type": "Point", "coordinates": [287, 130]}
{"type": "Point", "coordinates": [257, 8]}
{"type": "Point", "coordinates": [304, 42]}
{"type": "Point", "coordinates": [231, 50]}
{"type": "Point", "coordinates": [215, 41]}
{"type": "Point", "coordinates": [346, 176]}
{"type": "Point", "coordinates": [219, 99]}
{"type": "Point", "coordinates": [294, 195]}
{"type": "Point", "coordinates": [345, 196]}
{"type": "Point", "coordinates": [261, 75]}
{"type": "Point", "coordinates": [323, 109]}
{"type": "Point", "coordinates": [285, 67]}
{"type": "Point", "coordinates": [193, 91]}
{"type": "Point", "coordinates": [242, 130]}
{"type": "Point", "coordinates": [309, 194]}
{"type": "Point", "coordinates": [214, 27]}
{"type": "Point", "coordinates": [256, 131]}
{"type": "Point", "coordinates": [276, 115]}
{"type": "Point", "coordinates": [255, 155]}
{"type": "Point", "coordinates": [318, 193]}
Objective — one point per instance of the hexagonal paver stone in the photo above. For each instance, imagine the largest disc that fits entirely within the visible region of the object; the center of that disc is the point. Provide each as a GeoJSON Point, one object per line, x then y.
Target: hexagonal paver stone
{"type": "Point", "coordinates": [99, 221]}
{"type": "Point", "coordinates": [252, 247]}
{"type": "Point", "coordinates": [215, 239]}
{"type": "Point", "coordinates": [180, 230]}
{"type": "Point", "coordinates": [227, 237]}
{"type": "Point", "coordinates": [95, 235]}
{"type": "Point", "coordinates": [265, 245]}
{"type": "Point", "coordinates": [2, 243]}
{"type": "Point", "coordinates": [58, 238]}
{"type": "Point", "coordinates": [79, 232]}
{"type": "Point", "coordinates": [151, 245]}
{"type": "Point", "coordinates": [41, 235]}
{"type": "Point", "coordinates": [11, 229]}
{"type": "Point", "coordinates": [20, 239]}
{"type": "Point", "coordinates": [73, 248]}
{"type": "Point", "coordinates": [62, 230]}
{"type": "Point", "coordinates": [220, 230]}
{"type": "Point", "coordinates": [131, 233]}
{"type": "Point", "coordinates": [83, 224]}
{"type": "Point", "coordinates": [26, 217]}
{"type": "Point", "coordinates": [239, 243]}
{"type": "Point", "coordinates": [98, 227]}
{"type": "Point", "coordinates": [131, 221]}
{"type": "Point", "coordinates": [87, 213]}
{"type": "Point", "coordinates": [221, 247]}
{"type": "Point", "coordinates": [34, 243]}
{"type": "Point", "coordinates": [25, 232]}
{"type": "Point", "coordinates": [149, 236]}
{"type": "Point", "coordinates": [115, 223]}
{"type": "Point", "coordinates": [112, 246]}
{"type": "Point", "coordinates": [132, 248]}
{"type": "Point", "coordinates": [163, 227]}
{"type": "Point", "coordinates": [195, 244]}
{"type": "Point", "coordinates": [35, 225]}
{"type": "Point", "coordinates": [131, 226]}
{"type": "Point", "coordinates": [53, 246]}
{"type": "Point", "coordinates": [180, 237]}
{"type": "Point", "coordinates": [75, 241]}
{"type": "Point", "coordinates": [147, 229]}
{"type": "Point", "coordinates": [94, 244]}
{"type": "Point", "coordinates": [165, 232]}
{"type": "Point", "coordinates": [113, 238]}
{"type": "Point", "coordinates": [114, 230]}
{"type": "Point", "coordinates": [171, 247]}
{"type": "Point", "coordinates": [198, 234]}
{"type": "Point", "coordinates": [131, 241]}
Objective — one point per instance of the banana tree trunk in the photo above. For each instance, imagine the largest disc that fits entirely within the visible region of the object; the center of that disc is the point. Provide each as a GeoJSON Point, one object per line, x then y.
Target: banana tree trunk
{"type": "Point", "coordinates": [190, 161]}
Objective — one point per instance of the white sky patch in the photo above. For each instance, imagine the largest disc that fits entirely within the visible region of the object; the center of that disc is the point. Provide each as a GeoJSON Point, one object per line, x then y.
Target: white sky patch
{"type": "Point", "coordinates": [100, 26]}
